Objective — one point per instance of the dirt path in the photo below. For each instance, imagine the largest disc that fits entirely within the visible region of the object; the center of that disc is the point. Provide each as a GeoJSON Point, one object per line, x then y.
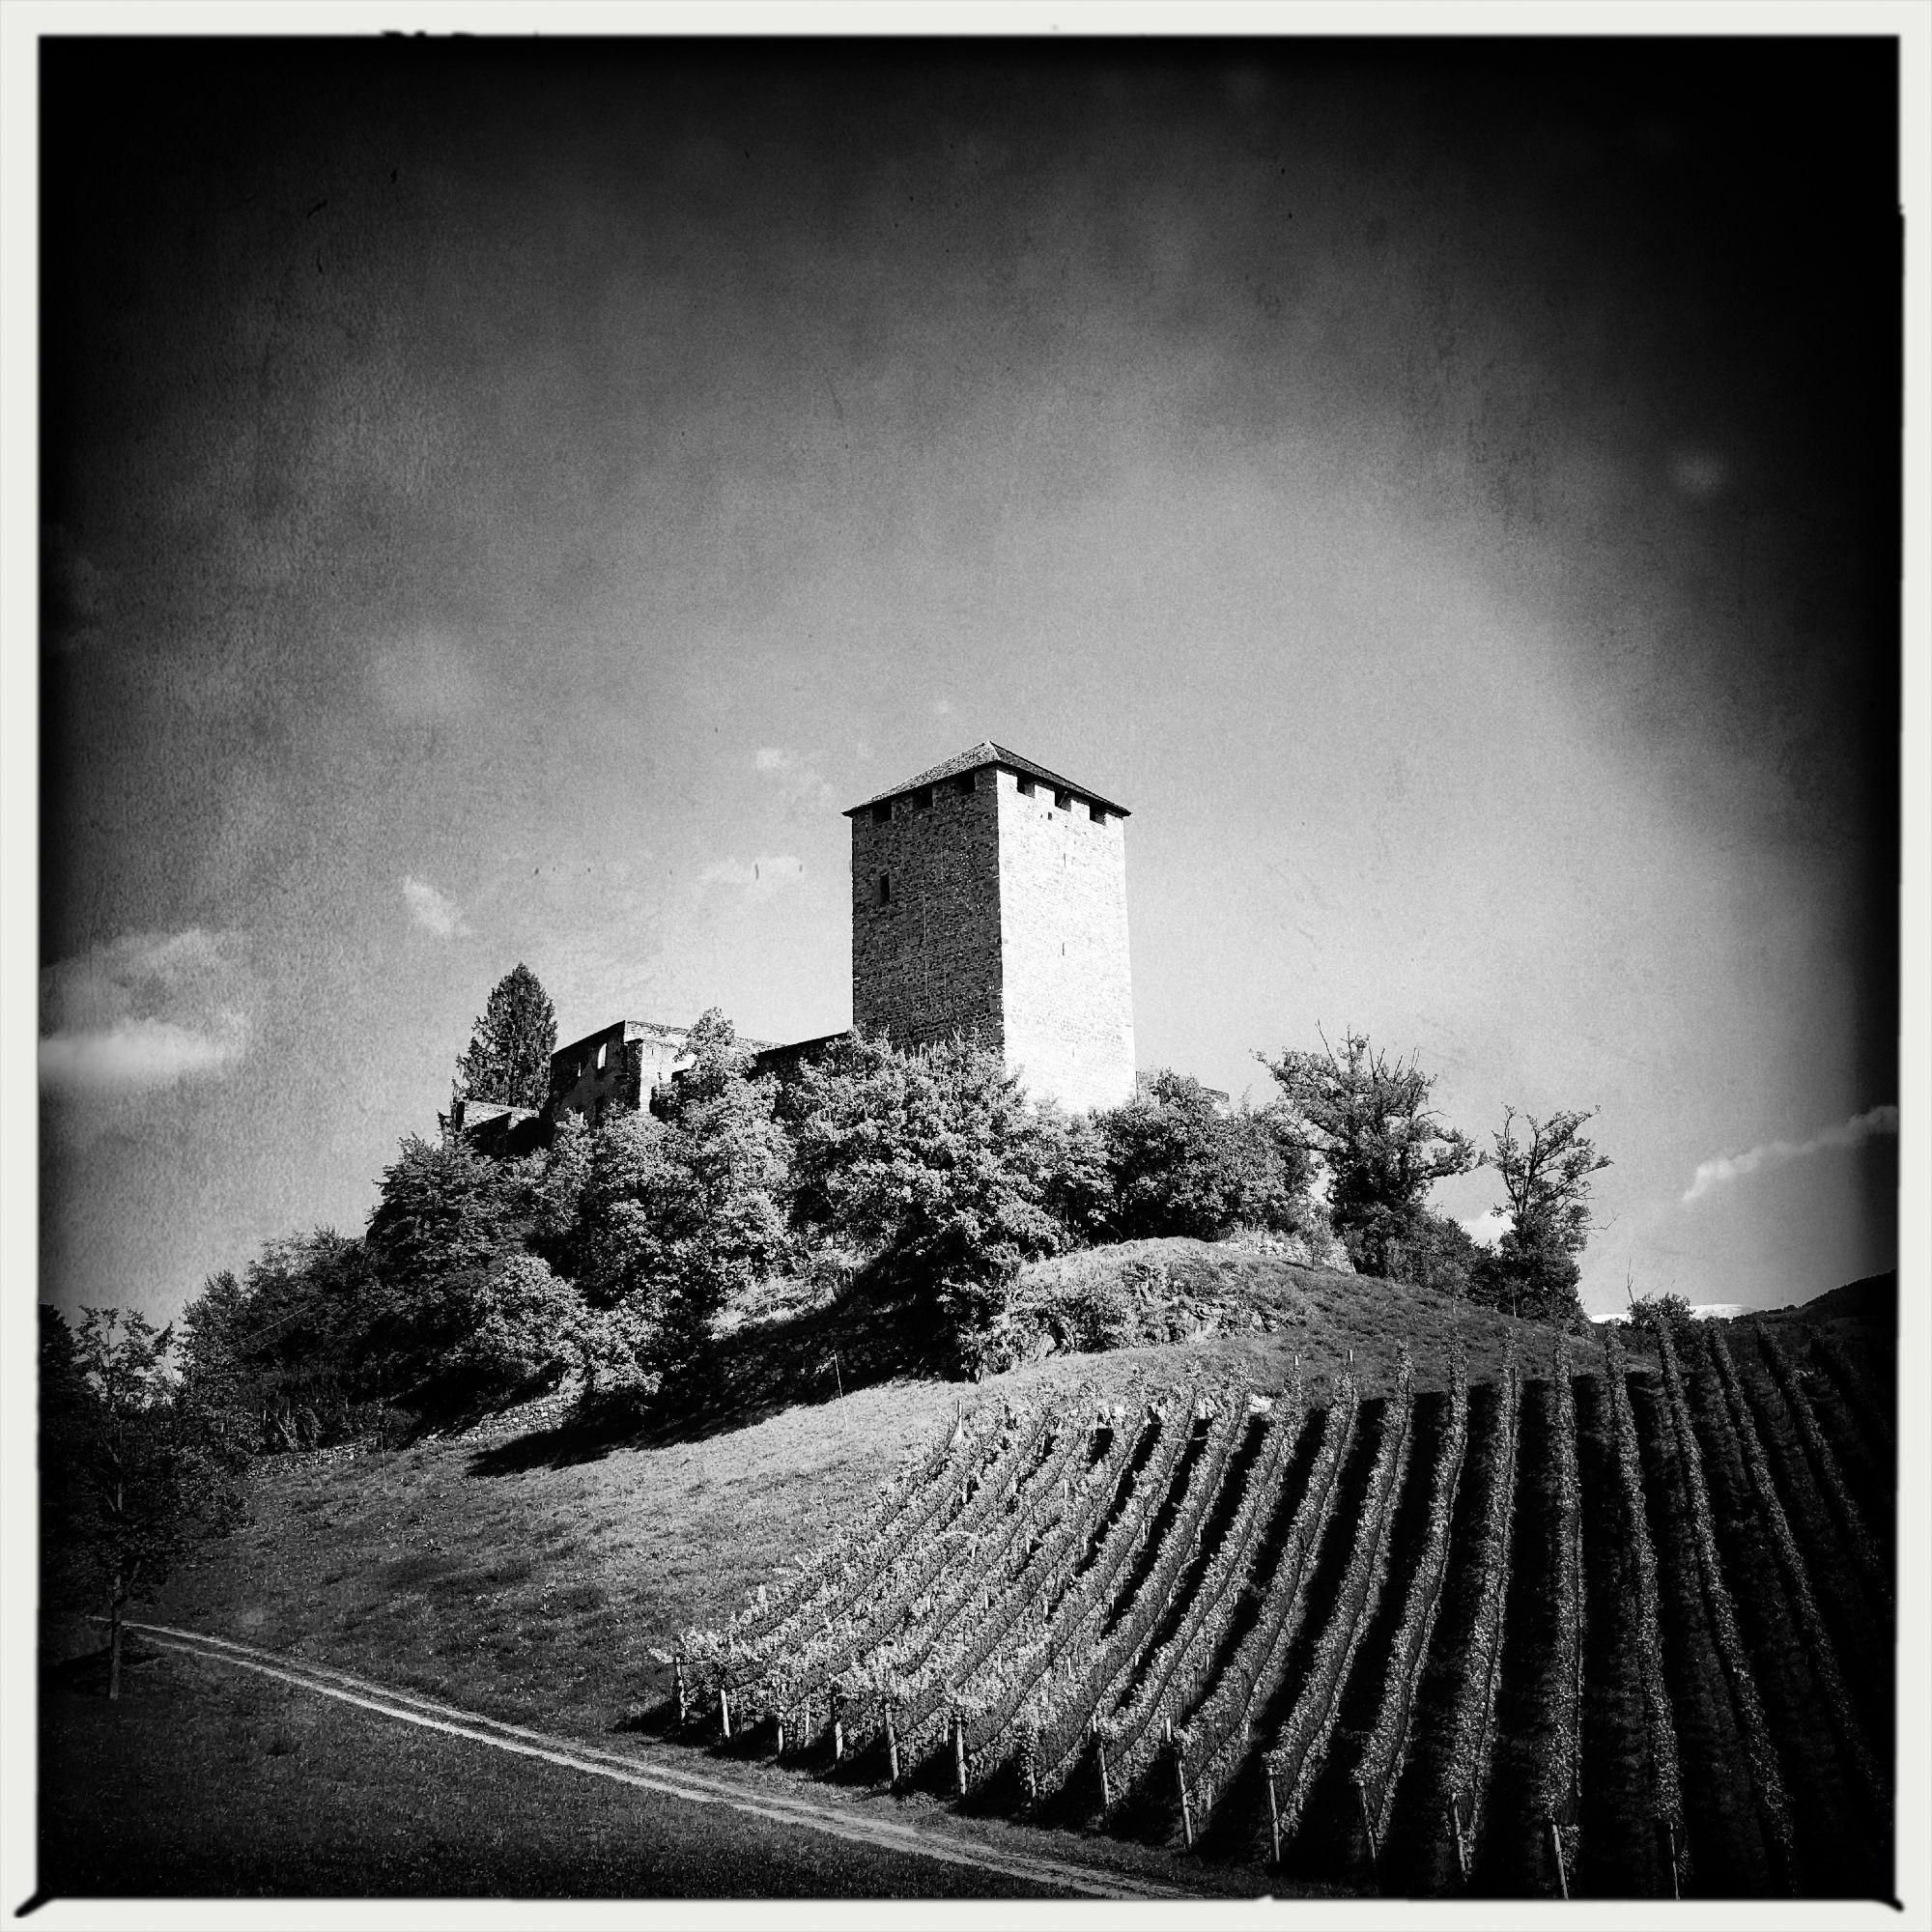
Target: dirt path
{"type": "Point", "coordinates": [636, 1768]}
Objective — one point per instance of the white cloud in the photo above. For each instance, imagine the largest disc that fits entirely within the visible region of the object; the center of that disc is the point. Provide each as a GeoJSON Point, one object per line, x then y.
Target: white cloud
{"type": "Point", "coordinates": [757, 878]}
{"type": "Point", "coordinates": [137, 1053]}
{"type": "Point", "coordinates": [801, 788]}
{"type": "Point", "coordinates": [941, 707]}
{"type": "Point", "coordinates": [1487, 1229]}
{"type": "Point", "coordinates": [430, 909]}
{"type": "Point", "coordinates": [146, 1011]}
{"type": "Point", "coordinates": [1713, 1173]}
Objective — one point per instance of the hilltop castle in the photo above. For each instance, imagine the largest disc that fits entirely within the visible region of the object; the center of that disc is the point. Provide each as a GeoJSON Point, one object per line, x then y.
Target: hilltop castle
{"type": "Point", "coordinates": [990, 900]}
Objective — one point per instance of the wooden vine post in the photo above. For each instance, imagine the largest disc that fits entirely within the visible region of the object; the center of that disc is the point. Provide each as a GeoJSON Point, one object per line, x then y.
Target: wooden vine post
{"type": "Point", "coordinates": [683, 1692]}
{"type": "Point", "coordinates": [725, 1710]}
{"type": "Point", "coordinates": [1556, 1845]}
{"type": "Point", "coordinates": [1187, 1801]}
{"type": "Point", "coordinates": [891, 1744]}
{"type": "Point", "coordinates": [1368, 1822]}
{"type": "Point", "coordinates": [959, 1750]}
{"type": "Point", "coordinates": [1462, 1848]}
{"type": "Point", "coordinates": [1274, 1819]}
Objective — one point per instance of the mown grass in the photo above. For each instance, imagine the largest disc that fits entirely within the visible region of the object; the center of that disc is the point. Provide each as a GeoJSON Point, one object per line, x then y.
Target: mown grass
{"type": "Point", "coordinates": [205, 1781]}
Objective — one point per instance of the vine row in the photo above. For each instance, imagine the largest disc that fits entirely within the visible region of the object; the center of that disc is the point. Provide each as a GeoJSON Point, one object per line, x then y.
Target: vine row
{"type": "Point", "coordinates": [1821, 1653]}
{"type": "Point", "coordinates": [1845, 1512]}
{"type": "Point", "coordinates": [1473, 1724]}
{"type": "Point", "coordinates": [1176, 1675]}
{"type": "Point", "coordinates": [1301, 1746]}
{"type": "Point", "coordinates": [1760, 1753]}
{"type": "Point", "coordinates": [1639, 1579]}
{"type": "Point", "coordinates": [1386, 1751]}
{"type": "Point", "coordinates": [1216, 1739]}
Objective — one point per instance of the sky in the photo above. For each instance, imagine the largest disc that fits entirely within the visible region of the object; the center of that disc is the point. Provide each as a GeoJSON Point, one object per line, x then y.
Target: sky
{"type": "Point", "coordinates": [502, 502]}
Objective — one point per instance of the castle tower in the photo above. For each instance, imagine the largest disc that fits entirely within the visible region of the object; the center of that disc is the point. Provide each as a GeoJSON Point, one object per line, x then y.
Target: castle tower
{"type": "Point", "coordinates": [989, 897]}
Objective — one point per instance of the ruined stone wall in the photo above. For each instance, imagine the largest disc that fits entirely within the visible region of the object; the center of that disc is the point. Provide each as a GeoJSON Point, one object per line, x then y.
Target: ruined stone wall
{"type": "Point", "coordinates": [613, 1069]}
{"type": "Point", "coordinates": [925, 949]}
{"type": "Point", "coordinates": [1067, 994]}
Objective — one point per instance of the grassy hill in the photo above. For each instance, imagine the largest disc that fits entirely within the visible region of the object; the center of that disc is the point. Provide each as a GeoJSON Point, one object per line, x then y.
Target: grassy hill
{"type": "Point", "coordinates": [531, 1570]}
{"type": "Point", "coordinates": [436, 1563]}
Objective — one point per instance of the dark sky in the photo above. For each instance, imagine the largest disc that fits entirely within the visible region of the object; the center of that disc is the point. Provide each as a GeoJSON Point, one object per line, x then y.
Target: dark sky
{"type": "Point", "coordinates": [501, 499]}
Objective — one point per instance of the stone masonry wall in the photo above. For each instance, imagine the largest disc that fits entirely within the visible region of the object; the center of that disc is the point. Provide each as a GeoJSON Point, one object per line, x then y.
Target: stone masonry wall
{"type": "Point", "coordinates": [925, 958]}
{"type": "Point", "coordinates": [1067, 994]}
{"type": "Point", "coordinates": [634, 1056]}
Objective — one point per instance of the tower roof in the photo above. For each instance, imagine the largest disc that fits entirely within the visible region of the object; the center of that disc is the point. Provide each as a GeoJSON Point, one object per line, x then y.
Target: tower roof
{"type": "Point", "coordinates": [986, 752]}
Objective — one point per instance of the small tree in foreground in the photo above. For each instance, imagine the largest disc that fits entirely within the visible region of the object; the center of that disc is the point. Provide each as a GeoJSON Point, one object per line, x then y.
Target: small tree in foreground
{"type": "Point", "coordinates": [508, 1059]}
{"type": "Point", "coordinates": [133, 1474]}
{"type": "Point", "coordinates": [1545, 1177]}
{"type": "Point", "coordinates": [1384, 1147]}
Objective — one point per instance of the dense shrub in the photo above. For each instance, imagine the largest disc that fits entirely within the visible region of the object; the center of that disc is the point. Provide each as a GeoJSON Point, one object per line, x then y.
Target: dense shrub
{"type": "Point", "coordinates": [279, 1350]}
{"type": "Point", "coordinates": [673, 1218]}
{"type": "Point", "coordinates": [453, 1316]}
{"type": "Point", "coordinates": [935, 1166]}
{"type": "Point", "coordinates": [1179, 1165]}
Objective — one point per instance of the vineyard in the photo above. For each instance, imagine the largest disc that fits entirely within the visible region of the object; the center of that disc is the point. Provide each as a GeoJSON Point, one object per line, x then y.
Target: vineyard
{"type": "Point", "coordinates": [1624, 1632]}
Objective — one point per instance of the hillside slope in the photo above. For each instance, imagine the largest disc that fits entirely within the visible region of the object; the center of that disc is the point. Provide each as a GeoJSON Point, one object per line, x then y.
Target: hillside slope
{"type": "Point", "coordinates": [527, 1568]}
{"type": "Point", "coordinates": [531, 1572]}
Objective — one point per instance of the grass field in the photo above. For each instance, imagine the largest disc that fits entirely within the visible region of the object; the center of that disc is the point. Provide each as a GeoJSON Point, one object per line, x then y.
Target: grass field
{"type": "Point", "coordinates": [203, 1782]}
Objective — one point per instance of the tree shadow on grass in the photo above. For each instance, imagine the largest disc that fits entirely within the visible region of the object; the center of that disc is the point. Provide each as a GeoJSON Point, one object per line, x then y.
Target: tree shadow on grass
{"type": "Point", "coordinates": [755, 1372]}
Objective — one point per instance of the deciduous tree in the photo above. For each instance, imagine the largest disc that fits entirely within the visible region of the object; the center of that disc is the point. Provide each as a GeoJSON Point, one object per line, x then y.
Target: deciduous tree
{"type": "Point", "coordinates": [678, 1216]}
{"type": "Point", "coordinates": [935, 1164]}
{"type": "Point", "coordinates": [1368, 1120]}
{"type": "Point", "coordinates": [1545, 1177]}
{"type": "Point", "coordinates": [1182, 1166]}
{"type": "Point", "coordinates": [133, 1473]}
{"type": "Point", "coordinates": [458, 1310]}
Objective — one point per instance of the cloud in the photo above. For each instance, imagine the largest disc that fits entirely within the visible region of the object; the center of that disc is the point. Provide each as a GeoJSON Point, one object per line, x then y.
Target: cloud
{"type": "Point", "coordinates": [1712, 1174]}
{"type": "Point", "coordinates": [431, 910]}
{"type": "Point", "coordinates": [1487, 1229]}
{"type": "Point", "coordinates": [941, 707]}
{"type": "Point", "coordinates": [757, 878]}
{"type": "Point", "coordinates": [803, 790]}
{"type": "Point", "coordinates": [141, 1054]}
{"type": "Point", "coordinates": [146, 1011]}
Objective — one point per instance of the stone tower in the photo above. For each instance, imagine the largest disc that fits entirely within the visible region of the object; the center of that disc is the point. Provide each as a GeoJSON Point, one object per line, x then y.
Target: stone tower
{"type": "Point", "coordinates": [989, 897]}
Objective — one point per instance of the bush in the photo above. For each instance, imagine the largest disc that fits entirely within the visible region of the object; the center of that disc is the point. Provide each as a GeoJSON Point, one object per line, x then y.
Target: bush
{"type": "Point", "coordinates": [1177, 1165]}
{"type": "Point", "coordinates": [1416, 1244]}
{"type": "Point", "coordinates": [1661, 1315]}
{"type": "Point", "coordinates": [675, 1218]}
{"type": "Point", "coordinates": [934, 1165]}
